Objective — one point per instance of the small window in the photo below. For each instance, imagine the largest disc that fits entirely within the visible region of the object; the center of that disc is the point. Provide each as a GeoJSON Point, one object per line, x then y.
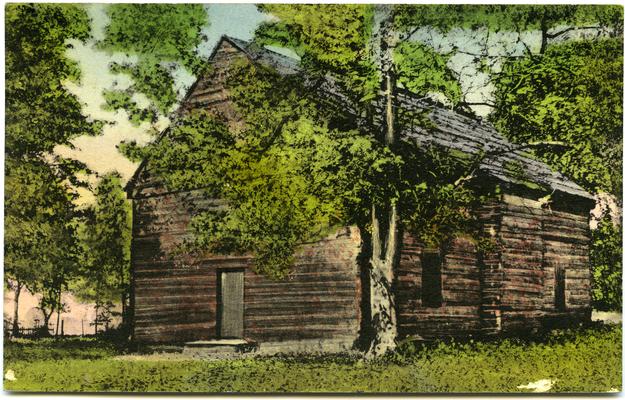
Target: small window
{"type": "Point", "coordinates": [431, 289]}
{"type": "Point", "coordinates": [560, 299]}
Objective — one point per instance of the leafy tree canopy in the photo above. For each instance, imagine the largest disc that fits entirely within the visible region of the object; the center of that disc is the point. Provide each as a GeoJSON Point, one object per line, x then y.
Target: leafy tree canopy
{"type": "Point", "coordinates": [39, 228]}
{"type": "Point", "coordinates": [40, 112]}
{"type": "Point", "coordinates": [338, 38]}
{"type": "Point", "coordinates": [606, 258]}
{"type": "Point", "coordinates": [422, 70]}
{"type": "Point", "coordinates": [572, 94]}
{"type": "Point", "coordinates": [162, 37]}
{"type": "Point", "coordinates": [105, 244]}
{"type": "Point", "coordinates": [331, 38]}
{"type": "Point", "coordinates": [516, 18]}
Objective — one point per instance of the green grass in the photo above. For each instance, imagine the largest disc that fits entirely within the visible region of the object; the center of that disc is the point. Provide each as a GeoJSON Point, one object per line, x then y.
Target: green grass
{"type": "Point", "coordinates": [578, 360]}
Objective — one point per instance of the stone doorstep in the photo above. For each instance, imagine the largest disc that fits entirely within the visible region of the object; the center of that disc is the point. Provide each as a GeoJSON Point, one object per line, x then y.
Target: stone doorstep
{"type": "Point", "coordinates": [219, 346]}
{"type": "Point", "coordinates": [235, 348]}
{"type": "Point", "coordinates": [217, 342]}
{"type": "Point", "coordinates": [607, 317]}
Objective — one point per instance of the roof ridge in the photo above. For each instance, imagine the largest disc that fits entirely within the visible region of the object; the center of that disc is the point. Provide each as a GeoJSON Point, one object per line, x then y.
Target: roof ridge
{"type": "Point", "coordinates": [248, 43]}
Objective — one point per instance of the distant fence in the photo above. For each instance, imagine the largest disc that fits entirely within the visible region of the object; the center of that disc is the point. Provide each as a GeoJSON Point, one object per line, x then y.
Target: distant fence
{"type": "Point", "coordinates": [33, 332]}
{"type": "Point", "coordinates": [100, 326]}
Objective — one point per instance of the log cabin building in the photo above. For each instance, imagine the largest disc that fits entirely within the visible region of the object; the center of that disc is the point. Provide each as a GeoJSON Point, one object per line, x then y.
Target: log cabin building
{"type": "Point", "coordinates": [536, 275]}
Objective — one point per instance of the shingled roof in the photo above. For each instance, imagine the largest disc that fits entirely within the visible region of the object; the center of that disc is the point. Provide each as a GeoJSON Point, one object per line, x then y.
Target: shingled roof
{"type": "Point", "coordinates": [450, 129]}
{"type": "Point", "coordinates": [503, 160]}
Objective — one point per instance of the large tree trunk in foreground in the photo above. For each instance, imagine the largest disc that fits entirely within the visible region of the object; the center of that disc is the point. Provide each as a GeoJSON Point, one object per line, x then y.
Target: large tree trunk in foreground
{"type": "Point", "coordinates": [381, 296]}
{"type": "Point", "coordinates": [16, 301]}
{"type": "Point", "coordinates": [384, 239]}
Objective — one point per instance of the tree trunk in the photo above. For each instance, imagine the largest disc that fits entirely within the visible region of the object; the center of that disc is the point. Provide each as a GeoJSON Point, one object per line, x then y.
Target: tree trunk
{"type": "Point", "coordinates": [382, 299]}
{"type": "Point", "coordinates": [124, 318]}
{"type": "Point", "coordinates": [58, 313]}
{"type": "Point", "coordinates": [46, 321]}
{"type": "Point", "coordinates": [123, 295]}
{"type": "Point", "coordinates": [384, 239]}
{"type": "Point", "coordinates": [544, 37]}
{"type": "Point", "coordinates": [97, 311]}
{"type": "Point", "coordinates": [16, 326]}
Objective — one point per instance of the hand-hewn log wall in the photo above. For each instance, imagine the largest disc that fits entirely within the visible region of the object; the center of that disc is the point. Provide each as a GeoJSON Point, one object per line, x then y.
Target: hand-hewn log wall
{"type": "Point", "coordinates": [175, 293]}
{"type": "Point", "coordinates": [491, 268]}
{"type": "Point", "coordinates": [535, 241]}
{"type": "Point", "coordinates": [458, 314]}
{"type": "Point", "coordinates": [210, 91]}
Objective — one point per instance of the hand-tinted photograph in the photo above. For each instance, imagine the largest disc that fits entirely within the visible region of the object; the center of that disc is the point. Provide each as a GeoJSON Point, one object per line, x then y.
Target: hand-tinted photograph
{"type": "Point", "coordinates": [313, 198]}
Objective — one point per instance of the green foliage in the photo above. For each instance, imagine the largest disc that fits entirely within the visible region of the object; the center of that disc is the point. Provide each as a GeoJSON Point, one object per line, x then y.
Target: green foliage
{"type": "Point", "coordinates": [189, 152]}
{"type": "Point", "coordinates": [105, 245]}
{"type": "Point", "coordinates": [606, 255]}
{"type": "Point", "coordinates": [39, 226]}
{"type": "Point", "coordinates": [163, 37]}
{"type": "Point", "coordinates": [163, 32]}
{"type": "Point", "coordinates": [578, 361]}
{"type": "Point", "coordinates": [338, 39]}
{"type": "Point", "coordinates": [424, 181]}
{"type": "Point", "coordinates": [153, 80]}
{"type": "Point", "coordinates": [330, 38]}
{"type": "Point", "coordinates": [572, 94]}
{"type": "Point", "coordinates": [438, 201]}
{"type": "Point", "coordinates": [422, 70]}
{"type": "Point", "coordinates": [122, 100]}
{"type": "Point", "coordinates": [287, 176]}
{"type": "Point", "coordinates": [40, 112]}
{"type": "Point", "coordinates": [517, 173]}
{"type": "Point", "coordinates": [516, 18]}
{"type": "Point", "coordinates": [48, 349]}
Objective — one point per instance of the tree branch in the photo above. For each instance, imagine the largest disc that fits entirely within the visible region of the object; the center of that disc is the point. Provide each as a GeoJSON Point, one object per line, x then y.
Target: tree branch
{"type": "Point", "coordinates": [477, 103]}
{"type": "Point", "coordinates": [569, 29]}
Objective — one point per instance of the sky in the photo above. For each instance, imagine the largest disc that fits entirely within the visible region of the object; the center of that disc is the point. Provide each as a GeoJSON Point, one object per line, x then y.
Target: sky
{"type": "Point", "coordinates": [237, 20]}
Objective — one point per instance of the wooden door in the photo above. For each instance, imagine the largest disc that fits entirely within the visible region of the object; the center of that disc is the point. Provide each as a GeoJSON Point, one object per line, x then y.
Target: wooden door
{"type": "Point", "coordinates": [231, 304]}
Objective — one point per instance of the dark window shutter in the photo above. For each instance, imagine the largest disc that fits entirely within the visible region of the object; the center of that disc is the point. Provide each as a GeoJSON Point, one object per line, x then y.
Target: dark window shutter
{"type": "Point", "coordinates": [431, 287]}
{"type": "Point", "coordinates": [560, 298]}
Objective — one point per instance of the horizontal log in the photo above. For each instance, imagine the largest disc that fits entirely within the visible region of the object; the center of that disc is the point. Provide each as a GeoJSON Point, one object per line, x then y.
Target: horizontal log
{"type": "Point", "coordinates": [558, 228]}
{"type": "Point", "coordinates": [514, 209]}
{"type": "Point", "coordinates": [177, 280]}
{"type": "Point", "coordinates": [298, 320]}
{"type": "Point", "coordinates": [172, 328]}
{"type": "Point", "coordinates": [512, 242]}
{"type": "Point", "coordinates": [583, 218]}
{"type": "Point", "coordinates": [321, 279]}
{"type": "Point", "coordinates": [175, 299]}
{"type": "Point", "coordinates": [279, 336]}
{"type": "Point", "coordinates": [174, 318]}
{"type": "Point", "coordinates": [198, 306]}
{"type": "Point", "coordinates": [290, 297]}
{"type": "Point", "coordinates": [564, 247]}
{"type": "Point", "coordinates": [316, 328]}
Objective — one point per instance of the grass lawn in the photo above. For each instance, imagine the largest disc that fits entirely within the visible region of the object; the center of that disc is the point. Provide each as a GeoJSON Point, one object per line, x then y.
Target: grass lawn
{"type": "Point", "coordinates": [587, 360]}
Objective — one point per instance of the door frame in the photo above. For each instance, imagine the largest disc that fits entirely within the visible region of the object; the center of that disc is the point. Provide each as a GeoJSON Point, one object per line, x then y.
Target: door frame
{"type": "Point", "coordinates": [219, 302]}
